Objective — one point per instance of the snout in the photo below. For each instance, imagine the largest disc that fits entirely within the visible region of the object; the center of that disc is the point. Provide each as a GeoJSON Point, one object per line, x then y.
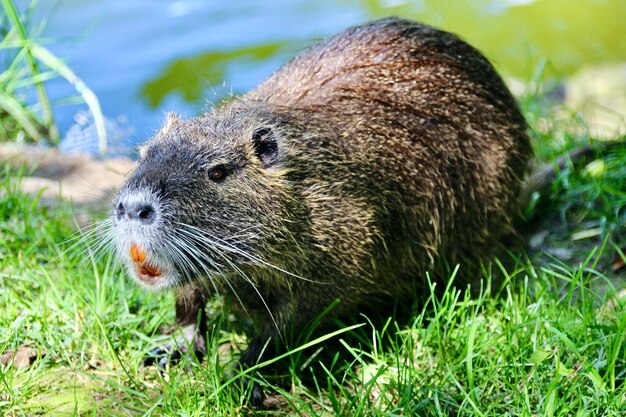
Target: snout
{"type": "Point", "coordinates": [140, 237]}
{"type": "Point", "coordinates": [136, 207]}
{"type": "Point", "coordinates": [140, 211]}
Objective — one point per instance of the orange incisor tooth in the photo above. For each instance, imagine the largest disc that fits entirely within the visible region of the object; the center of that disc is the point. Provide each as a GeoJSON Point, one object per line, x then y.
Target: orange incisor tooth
{"type": "Point", "coordinates": [149, 270]}
{"type": "Point", "coordinates": [137, 254]}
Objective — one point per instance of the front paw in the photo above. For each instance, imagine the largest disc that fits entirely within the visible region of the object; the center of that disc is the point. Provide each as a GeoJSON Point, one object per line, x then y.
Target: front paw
{"type": "Point", "coordinates": [256, 395]}
{"type": "Point", "coordinates": [251, 391]}
{"type": "Point", "coordinates": [187, 344]}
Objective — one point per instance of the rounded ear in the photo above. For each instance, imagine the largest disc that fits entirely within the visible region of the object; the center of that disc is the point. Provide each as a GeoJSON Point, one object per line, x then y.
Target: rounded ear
{"type": "Point", "coordinates": [265, 146]}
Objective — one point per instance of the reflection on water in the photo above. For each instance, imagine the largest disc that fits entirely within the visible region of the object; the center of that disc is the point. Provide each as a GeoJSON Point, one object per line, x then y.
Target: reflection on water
{"type": "Point", "coordinates": [146, 57]}
{"type": "Point", "coordinates": [191, 76]}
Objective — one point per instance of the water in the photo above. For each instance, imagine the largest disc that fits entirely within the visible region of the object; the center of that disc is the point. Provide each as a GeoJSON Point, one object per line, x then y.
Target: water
{"type": "Point", "coordinates": [146, 57]}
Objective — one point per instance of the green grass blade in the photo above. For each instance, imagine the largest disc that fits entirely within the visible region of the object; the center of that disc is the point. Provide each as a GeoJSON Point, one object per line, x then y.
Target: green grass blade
{"type": "Point", "coordinates": [11, 12]}
{"type": "Point", "coordinates": [252, 369]}
{"type": "Point", "coordinates": [21, 115]}
{"type": "Point", "coordinates": [88, 95]}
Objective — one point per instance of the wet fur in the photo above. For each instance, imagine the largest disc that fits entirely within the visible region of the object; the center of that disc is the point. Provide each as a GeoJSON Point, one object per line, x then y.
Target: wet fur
{"type": "Point", "coordinates": [399, 152]}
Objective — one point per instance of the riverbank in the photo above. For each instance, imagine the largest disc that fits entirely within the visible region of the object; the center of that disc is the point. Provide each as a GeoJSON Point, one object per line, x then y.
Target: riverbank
{"type": "Point", "coordinates": [548, 342]}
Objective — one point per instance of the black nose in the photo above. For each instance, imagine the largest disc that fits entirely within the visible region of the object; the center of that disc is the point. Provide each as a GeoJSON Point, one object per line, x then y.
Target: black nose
{"type": "Point", "coordinates": [143, 212]}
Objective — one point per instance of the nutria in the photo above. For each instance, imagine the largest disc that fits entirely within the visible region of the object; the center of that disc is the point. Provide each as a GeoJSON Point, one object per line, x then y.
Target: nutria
{"type": "Point", "coordinates": [384, 153]}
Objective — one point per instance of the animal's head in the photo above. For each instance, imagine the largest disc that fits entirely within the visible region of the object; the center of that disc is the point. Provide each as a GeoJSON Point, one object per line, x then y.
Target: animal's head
{"type": "Point", "coordinates": [205, 198]}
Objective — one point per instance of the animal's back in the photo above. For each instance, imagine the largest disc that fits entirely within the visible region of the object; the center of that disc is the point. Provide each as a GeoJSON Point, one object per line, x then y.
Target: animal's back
{"type": "Point", "coordinates": [418, 130]}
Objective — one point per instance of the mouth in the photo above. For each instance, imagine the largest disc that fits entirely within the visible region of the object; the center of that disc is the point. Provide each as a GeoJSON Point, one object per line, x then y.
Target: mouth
{"type": "Point", "coordinates": [144, 270]}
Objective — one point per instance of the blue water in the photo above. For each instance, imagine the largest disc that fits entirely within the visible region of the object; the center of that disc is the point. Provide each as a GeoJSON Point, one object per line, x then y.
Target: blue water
{"type": "Point", "coordinates": [118, 46]}
{"type": "Point", "coordinates": [143, 58]}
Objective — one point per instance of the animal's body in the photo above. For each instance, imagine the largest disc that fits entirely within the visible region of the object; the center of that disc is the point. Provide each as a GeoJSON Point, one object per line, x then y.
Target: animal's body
{"type": "Point", "coordinates": [388, 151]}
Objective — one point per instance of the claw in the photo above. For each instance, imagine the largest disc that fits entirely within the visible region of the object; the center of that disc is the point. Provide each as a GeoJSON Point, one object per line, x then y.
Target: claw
{"type": "Point", "coordinates": [257, 396]}
{"type": "Point", "coordinates": [162, 356]}
{"type": "Point", "coordinates": [251, 390]}
{"type": "Point", "coordinates": [172, 352]}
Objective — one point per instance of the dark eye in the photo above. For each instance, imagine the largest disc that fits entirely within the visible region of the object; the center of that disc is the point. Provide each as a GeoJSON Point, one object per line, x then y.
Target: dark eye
{"type": "Point", "coordinates": [217, 174]}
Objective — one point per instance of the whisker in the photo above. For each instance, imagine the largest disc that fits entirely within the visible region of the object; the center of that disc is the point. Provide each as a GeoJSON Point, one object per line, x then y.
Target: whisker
{"type": "Point", "coordinates": [85, 232]}
{"type": "Point", "coordinates": [240, 272]}
{"type": "Point", "coordinates": [95, 241]}
{"type": "Point", "coordinates": [193, 251]}
{"type": "Point", "coordinates": [221, 243]}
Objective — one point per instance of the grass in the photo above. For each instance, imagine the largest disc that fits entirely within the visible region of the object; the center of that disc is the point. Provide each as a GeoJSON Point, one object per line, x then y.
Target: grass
{"type": "Point", "coordinates": [22, 57]}
{"type": "Point", "coordinates": [549, 341]}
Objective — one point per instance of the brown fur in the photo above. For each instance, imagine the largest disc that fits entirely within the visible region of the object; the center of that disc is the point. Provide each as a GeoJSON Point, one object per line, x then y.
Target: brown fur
{"type": "Point", "coordinates": [399, 152]}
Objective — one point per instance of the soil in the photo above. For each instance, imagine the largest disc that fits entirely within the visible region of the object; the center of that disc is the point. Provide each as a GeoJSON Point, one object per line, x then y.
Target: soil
{"type": "Point", "coordinates": [89, 183]}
